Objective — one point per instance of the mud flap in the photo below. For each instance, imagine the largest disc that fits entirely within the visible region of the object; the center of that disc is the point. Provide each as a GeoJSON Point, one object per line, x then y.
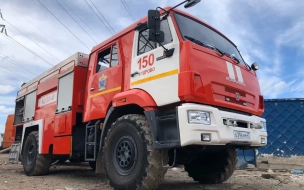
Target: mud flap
{"type": "Point", "coordinates": [14, 153]}
{"type": "Point", "coordinates": [99, 164]}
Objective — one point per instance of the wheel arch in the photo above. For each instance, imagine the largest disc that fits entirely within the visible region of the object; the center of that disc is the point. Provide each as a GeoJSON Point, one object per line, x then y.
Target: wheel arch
{"type": "Point", "coordinates": [30, 127]}
{"type": "Point", "coordinates": [135, 101]}
{"type": "Point", "coordinates": [115, 112]}
{"type": "Point", "coordinates": [134, 96]}
{"type": "Point", "coordinates": [27, 131]}
{"type": "Point", "coordinates": [112, 114]}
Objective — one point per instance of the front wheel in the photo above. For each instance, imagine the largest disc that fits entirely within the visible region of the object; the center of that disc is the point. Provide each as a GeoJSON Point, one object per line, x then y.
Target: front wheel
{"type": "Point", "coordinates": [213, 168]}
{"type": "Point", "coordinates": [34, 164]}
{"type": "Point", "coordinates": [129, 158]}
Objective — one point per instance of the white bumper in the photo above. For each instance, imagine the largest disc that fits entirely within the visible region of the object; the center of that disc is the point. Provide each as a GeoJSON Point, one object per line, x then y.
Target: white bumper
{"type": "Point", "coordinates": [190, 134]}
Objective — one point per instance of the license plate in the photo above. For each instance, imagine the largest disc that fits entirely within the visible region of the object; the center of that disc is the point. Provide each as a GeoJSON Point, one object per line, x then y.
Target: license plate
{"type": "Point", "coordinates": [241, 135]}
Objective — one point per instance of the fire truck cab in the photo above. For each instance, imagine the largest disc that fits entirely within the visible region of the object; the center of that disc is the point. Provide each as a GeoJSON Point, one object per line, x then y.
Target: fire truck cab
{"type": "Point", "coordinates": [167, 90]}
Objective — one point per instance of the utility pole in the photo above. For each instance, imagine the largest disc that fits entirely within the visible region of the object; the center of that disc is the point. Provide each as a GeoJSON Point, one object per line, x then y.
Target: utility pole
{"type": "Point", "coordinates": [3, 29]}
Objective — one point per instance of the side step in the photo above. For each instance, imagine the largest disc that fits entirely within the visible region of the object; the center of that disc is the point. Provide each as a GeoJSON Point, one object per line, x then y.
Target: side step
{"type": "Point", "coordinates": [14, 153]}
{"type": "Point", "coordinates": [91, 141]}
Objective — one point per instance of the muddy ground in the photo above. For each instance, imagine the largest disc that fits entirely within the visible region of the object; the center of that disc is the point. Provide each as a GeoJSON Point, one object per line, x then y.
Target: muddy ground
{"type": "Point", "coordinates": [69, 177]}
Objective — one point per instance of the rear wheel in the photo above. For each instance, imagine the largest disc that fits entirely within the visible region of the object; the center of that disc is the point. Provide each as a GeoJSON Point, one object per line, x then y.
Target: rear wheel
{"type": "Point", "coordinates": [213, 168]}
{"type": "Point", "coordinates": [129, 158]}
{"type": "Point", "coordinates": [34, 164]}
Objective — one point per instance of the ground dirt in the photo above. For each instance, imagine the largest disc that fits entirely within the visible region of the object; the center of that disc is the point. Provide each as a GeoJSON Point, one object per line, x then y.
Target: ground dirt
{"type": "Point", "coordinates": [69, 177]}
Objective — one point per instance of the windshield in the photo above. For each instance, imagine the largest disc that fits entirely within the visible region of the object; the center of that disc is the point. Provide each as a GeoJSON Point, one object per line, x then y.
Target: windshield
{"type": "Point", "coordinates": [191, 28]}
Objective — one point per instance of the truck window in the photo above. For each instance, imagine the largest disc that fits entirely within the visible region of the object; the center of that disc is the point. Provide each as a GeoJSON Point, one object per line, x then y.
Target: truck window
{"type": "Point", "coordinates": [107, 58]}
{"type": "Point", "coordinates": [164, 26]}
{"type": "Point", "coordinates": [194, 29]}
{"type": "Point", "coordinates": [144, 45]}
{"type": "Point", "coordinates": [114, 58]}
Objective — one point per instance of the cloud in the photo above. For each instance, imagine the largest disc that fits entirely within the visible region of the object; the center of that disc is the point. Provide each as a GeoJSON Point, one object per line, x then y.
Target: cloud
{"type": "Point", "coordinates": [6, 110]}
{"type": "Point", "coordinates": [5, 89]}
{"type": "Point", "coordinates": [7, 100]}
{"type": "Point", "coordinates": [271, 87]}
{"type": "Point", "coordinates": [293, 36]}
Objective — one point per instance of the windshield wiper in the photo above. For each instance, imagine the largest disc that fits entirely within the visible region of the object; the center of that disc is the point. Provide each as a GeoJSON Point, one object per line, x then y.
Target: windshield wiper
{"type": "Point", "coordinates": [205, 44]}
{"type": "Point", "coordinates": [247, 66]}
{"type": "Point", "coordinates": [232, 56]}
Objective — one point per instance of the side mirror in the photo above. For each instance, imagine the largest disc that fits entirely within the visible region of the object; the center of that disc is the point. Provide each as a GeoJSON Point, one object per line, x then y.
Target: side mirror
{"type": "Point", "coordinates": [255, 66]}
{"type": "Point", "coordinates": [156, 35]}
{"type": "Point", "coordinates": [153, 20]}
{"type": "Point", "coordinates": [153, 25]}
{"type": "Point", "coordinates": [191, 3]}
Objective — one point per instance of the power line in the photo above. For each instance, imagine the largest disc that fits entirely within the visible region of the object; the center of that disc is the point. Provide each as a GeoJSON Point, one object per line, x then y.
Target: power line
{"type": "Point", "coordinates": [102, 16]}
{"type": "Point", "coordinates": [50, 38]}
{"type": "Point", "coordinates": [128, 10]}
{"type": "Point", "coordinates": [29, 38]}
{"type": "Point", "coordinates": [18, 43]}
{"type": "Point", "coordinates": [76, 21]}
{"type": "Point", "coordinates": [63, 25]}
{"type": "Point", "coordinates": [80, 19]}
{"type": "Point", "coordinates": [16, 63]}
{"type": "Point", "coordinates": [98, 17]}
{"type": "Point", "coordinates": [14, 72]}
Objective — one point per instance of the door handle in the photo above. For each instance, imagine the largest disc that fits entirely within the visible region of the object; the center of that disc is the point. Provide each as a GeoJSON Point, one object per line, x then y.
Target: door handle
{"type": "Point", "coordinates": [91, 89]}
{"type": "Point", "coordinates": [135, 73]}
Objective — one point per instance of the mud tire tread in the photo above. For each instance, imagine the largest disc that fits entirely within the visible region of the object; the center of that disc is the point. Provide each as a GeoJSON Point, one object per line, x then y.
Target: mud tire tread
{"type": "Point", "coordinates": [42, 163]}
{"type": "Point", "coordinates": [154, 171]}
{"type": "Point", "coordinates": [224, 169]}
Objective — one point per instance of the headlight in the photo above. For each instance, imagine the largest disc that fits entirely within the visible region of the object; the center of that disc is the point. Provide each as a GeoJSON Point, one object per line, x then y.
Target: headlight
{"type": "Point", "coordinates": [264, 128]}
{"type": "Point", "coordinates": [199, 117]}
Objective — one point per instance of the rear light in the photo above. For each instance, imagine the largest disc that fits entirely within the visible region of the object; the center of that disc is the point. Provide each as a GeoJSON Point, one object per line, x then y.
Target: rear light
{"type": "Point", "coordinates": [261, 102]}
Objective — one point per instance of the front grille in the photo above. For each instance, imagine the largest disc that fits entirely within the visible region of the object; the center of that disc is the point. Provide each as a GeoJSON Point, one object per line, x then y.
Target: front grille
{"type": "Point", "coordinates": [234, 111]}
{"type": "Point", "coordinates": [233, 91]}
{"type": "Point", "coordinates": [242, 124]}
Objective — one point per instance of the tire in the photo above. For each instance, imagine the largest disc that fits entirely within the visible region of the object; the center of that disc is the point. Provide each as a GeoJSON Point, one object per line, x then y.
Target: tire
{"type": "Point", "coordinates": [93, 165]}
{"type": "Point", "coordinates": [213, 168]}
{"type": "Point", "coordinates": [34, 164]}
{"type": "Point", "coordinates": [139, 166]}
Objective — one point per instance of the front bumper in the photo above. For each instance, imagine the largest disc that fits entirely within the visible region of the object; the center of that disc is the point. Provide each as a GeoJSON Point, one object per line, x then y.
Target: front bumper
{"type": "Point", "coordinates": [221, 134]}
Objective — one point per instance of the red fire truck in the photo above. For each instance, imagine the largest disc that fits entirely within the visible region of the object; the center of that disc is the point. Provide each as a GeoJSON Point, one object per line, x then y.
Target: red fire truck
{"type": "Point", "coordinates": [167, 90]}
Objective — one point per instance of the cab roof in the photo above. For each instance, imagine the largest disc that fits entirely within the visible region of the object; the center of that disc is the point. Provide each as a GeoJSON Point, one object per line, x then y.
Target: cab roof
{"type": "Point", "coordinates": [143, 20]}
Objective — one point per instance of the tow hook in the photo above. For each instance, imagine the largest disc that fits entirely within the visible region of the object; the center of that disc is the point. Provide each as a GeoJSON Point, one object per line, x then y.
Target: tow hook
{"type": "Point", "coordinates": [231, 122]}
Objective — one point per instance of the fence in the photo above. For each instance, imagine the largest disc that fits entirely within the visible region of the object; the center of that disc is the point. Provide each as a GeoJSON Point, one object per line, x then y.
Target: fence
{"type": "Point", "coordinates": [285, 127]}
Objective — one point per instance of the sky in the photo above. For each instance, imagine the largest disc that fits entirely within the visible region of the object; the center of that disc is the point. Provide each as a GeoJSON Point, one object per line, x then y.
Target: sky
{"type": "Point", "coordinates": [268, 32]}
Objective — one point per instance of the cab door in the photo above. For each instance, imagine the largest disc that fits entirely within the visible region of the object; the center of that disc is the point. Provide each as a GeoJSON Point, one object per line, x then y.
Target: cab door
{"type": "Point", "coordinates": [105, 81]}
{"type": "Point", "coordinates": [150, 70]}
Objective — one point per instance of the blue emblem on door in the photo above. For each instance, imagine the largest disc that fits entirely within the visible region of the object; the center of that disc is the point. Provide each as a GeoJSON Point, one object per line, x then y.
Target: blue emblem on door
{"type": "Point", "coordinates": [102, 82]}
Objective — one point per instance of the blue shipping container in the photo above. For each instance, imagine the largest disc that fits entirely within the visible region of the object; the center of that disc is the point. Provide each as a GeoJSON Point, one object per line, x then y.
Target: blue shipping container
{"type": "Point", "coordinates": [285, 127]}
